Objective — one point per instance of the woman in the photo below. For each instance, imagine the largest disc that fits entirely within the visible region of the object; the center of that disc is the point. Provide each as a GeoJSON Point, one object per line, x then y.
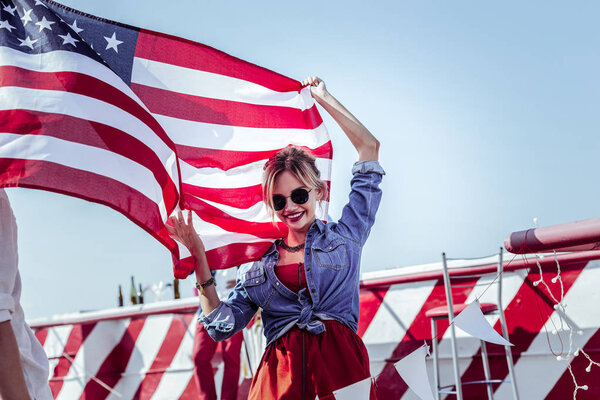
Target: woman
{"type": "Point", "coordinates": [307, 283]}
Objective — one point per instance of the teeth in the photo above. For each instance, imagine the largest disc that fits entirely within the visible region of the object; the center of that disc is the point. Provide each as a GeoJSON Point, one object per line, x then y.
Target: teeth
{"type": "Point", "coordinates": [294, 215]}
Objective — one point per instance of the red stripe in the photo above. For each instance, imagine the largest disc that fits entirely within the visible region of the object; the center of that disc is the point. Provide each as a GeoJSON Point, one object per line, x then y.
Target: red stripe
{"type": "Point", "coordinates": [224, 257]}
{"type": "Point", "coordinates": [525, 315]}
{"type": "Point", "coordinates": [74, 342]}
{"type": "Point", "coordinates": [213, 215]}
{"type": "Point", "coordinates": [564, 387]}
{"type": "Point", "coordinates": [242, 197]}
{"type": "Point", "coordinates": [224, 112]}
{"type": "Point", "coordinates": [370, 301]}
{"type": "Point", "coordinates": [41, 335]}
{"type": "Point", "coordinates": [228, 159]}
{"type": "Point", "coordinates": [185, 53]}
{"type": "Point", "coordinates": [235, 254]}
{"type": "Point", "coordinates": [164, 357]}
{"type": "Point", "coordinates": [389, 384]}
{"type": "Point", "coordinates": [77, 130]}
{"type": "Point", "coordinates": [116, 362]}
{"type": "Point", "coordinates": [191, 391]}
{"type": "Point", "coordinates": [88, 186]}
{"type": "Point", "coordinates": [74, 82]}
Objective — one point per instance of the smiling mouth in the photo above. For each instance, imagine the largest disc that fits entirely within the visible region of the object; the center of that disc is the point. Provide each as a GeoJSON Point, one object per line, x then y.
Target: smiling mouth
{"type": "Point", "coordinates": [295, 216]}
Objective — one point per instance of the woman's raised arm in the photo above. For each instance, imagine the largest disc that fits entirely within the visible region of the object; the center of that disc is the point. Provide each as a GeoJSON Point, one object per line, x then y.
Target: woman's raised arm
{"type": "Point", "coordinates": [365, 143]}
{"type": "Point", "coordinates": [185, 233]}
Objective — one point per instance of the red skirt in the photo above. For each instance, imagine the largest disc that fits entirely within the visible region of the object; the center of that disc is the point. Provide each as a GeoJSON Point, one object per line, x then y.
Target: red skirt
{"type": "Point", "coordinates": [333, 359]}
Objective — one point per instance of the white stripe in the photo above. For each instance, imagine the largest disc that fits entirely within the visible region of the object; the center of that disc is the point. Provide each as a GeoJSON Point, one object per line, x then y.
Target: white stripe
{"type": "Point", "coordinates": [246, 175]}
{"type": "Point", "coordinates": [147, 345]}
{"type": "Point", "coordinates": [391, 322]}
{"type": "Point", "coordinates": [214, 236]}
{"type": "Point", "coordinates": [54, 346]}
{"type": "Point", "coordinates": [67, 61]}
{"type": "Point", "coordinates": [97, 346]}
{"type": "Point", "coordinates": [210, 85]}
{"type": "Point", "coordinates": [537, 364]}
{"type": "Point", "coordinates": [86, 158]}
{"type": "Point", "coordinates": [178, 375]}
{"type": "Point", "coordinates": [239, 138]}
{"type": "Point", "coordinates": [87, 108]}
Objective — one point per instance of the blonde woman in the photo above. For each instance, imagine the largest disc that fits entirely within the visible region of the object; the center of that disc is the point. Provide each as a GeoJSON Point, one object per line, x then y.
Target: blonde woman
{"type": "Point", "coordinates": [307, 283]}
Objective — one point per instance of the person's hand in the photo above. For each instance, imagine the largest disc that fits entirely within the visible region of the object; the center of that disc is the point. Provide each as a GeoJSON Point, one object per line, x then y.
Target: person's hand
{"type": "Point", "coordinates": [230, 284]}
{"type": "Point", "coordinates": [183, 231]}
{"type": "Point", "coordinates": [317, 86]}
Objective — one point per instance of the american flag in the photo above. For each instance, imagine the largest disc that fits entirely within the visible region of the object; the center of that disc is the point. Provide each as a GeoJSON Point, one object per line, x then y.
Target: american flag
{"type": "Point", "coordinates": [130, 118]}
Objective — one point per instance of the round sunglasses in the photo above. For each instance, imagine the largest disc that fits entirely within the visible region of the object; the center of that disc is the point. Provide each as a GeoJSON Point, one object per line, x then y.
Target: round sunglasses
{"type": "Point", "coordinates": [298, 196]}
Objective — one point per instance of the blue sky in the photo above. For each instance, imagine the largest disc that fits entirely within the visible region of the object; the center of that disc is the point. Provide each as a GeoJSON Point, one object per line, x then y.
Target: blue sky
{"type": "Point", "coordinates": [487, 114]}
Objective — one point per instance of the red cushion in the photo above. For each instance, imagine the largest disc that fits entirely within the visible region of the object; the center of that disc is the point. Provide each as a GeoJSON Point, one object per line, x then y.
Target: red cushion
{"type": "Point", "coordinates": [442, 311]}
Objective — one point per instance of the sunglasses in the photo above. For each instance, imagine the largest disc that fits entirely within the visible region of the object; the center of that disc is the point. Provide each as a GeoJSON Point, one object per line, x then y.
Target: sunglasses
{"type": "Point", "coordinates": [298, 196]}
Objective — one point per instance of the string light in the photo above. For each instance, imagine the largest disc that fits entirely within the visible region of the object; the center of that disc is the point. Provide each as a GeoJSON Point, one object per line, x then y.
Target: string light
{"type": "Point", "coordinates": [560, 307]}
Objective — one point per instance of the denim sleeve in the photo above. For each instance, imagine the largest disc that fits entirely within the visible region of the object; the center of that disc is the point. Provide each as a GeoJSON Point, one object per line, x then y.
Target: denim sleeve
{"type": "Point", "coordinates": [358, 215]}
{"type": "Point", "coordinates": [230, 316]}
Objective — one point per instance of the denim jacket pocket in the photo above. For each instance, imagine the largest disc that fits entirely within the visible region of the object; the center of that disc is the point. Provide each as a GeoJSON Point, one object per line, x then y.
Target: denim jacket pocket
{"type": "Point", "coordinates": [331, 254]}
{"type": "Point", "coordinates": [258, 288]}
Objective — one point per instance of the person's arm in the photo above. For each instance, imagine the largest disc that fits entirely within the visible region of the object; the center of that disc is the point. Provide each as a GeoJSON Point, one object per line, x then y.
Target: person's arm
{"type": "Point", "coordinates": [365, 143]}
{"type": "Point", "coordinates": [12, 381]}
{"type": "Point", "coordinates": [185, 233]}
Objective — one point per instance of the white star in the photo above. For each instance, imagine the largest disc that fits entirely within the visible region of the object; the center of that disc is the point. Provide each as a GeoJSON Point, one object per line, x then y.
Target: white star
{"type": "Point", "coordinates": [26, 16]}
{"type": "Point", "coordinates": [9, 10]}
{"type": "Point", "coordinates": [27, 42]}
{"type": "Point", "coordinates": [113, 42]}
{"type": "Point", "coordinates": [6, 25]}
{"type": "Point", "coordinates": [44, 24]}
{"type": "Point", "coordinates": [39, 3]}
{"type": "Point", "coordinates": [67, 39]}
{"type": "Point", "coordinates": [75, 28]}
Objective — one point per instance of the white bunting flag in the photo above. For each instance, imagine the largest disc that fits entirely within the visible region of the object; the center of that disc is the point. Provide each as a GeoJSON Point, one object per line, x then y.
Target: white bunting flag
{"type": "Point", "coordinates": [413, 371]}
{"type": "Point", "coordinates": [472, 321]}
{"type": "Point", "coordinates": [360, 390]}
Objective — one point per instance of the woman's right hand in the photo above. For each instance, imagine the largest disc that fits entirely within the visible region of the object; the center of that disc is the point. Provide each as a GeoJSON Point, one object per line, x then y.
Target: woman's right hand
{"type": "Point", "coordinates": [183, 231]}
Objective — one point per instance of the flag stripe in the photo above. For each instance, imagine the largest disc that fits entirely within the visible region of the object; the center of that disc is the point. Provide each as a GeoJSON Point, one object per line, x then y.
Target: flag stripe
{"type": "Point", "coordinates": [65, 61]}
{"type": "Point", "coordinates": [84, 85]}
{"type": "Point", "coordinates": [166, 76]}
{"type": "Point", "coordinates": [214, 111]}
{"type": "Point", "coordinates": [240, 197]}
{"type": "Point", "coordinates": [47, 149]}
{"type": "Point", "coordinates": [213, 215]}
{"type": "Point", "coordinates": [54, 177]}
{"type": "Point", "coordinates": [185, 53]}
{"type": "Point", "coordinates": [93, 134]}
{"type": "Point", "coordinates": [236, 253]}
{"type": "Point", "coordinates": [245, 175]}
{"type": "Point", "coordinates": [226, 160]}
{"type": "Point", "coordinates": [239, 138]}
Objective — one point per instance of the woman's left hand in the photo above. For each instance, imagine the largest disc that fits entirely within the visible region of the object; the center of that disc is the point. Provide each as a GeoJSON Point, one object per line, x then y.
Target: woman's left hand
{"type": "Point", "coordinates": [317, 86]}
{"type": "Point", "coordinates": [183, 231]}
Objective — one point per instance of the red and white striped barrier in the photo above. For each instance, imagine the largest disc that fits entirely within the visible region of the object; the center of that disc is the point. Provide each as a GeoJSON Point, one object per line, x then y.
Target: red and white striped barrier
{"type": "Point", "coordinates": [144, 352]}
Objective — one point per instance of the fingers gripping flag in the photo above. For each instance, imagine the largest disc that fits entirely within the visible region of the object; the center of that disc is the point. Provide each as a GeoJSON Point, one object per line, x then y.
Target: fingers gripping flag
{"type": "Point", "coordinates": [141, 121]}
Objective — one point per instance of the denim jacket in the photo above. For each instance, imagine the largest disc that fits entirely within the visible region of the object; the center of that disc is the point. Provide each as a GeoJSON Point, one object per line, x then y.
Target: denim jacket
{"type": "Point", "coordinates": [332, 266]}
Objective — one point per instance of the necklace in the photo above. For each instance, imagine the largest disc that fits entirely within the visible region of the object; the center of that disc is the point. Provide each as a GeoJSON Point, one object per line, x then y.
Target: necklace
{"type": "Point", "coordinates": [291, 249]}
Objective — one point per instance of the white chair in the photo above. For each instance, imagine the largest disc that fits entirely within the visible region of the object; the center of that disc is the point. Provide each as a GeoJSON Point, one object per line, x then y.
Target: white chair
{"type": "Point", "coordinates": [448, 311]}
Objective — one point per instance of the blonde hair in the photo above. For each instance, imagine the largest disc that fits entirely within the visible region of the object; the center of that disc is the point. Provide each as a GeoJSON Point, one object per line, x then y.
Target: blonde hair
{"type": "Point", "coordinates": [300, 163]}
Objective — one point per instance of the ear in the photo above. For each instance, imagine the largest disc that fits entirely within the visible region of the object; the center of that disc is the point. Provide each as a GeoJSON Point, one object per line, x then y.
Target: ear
{"type": "Point", "coordinates": [319, 194]}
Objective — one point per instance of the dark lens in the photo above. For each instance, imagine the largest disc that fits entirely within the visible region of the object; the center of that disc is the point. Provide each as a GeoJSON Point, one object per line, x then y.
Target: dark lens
{"type": "Point", "coordinates": [278, 202]}
{"type": "Point", "coordinates": [299, 196]}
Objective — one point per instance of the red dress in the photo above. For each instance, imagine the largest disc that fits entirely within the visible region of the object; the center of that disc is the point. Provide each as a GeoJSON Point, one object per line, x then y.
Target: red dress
{"type": "Point", "coordinates": [333, 359]}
